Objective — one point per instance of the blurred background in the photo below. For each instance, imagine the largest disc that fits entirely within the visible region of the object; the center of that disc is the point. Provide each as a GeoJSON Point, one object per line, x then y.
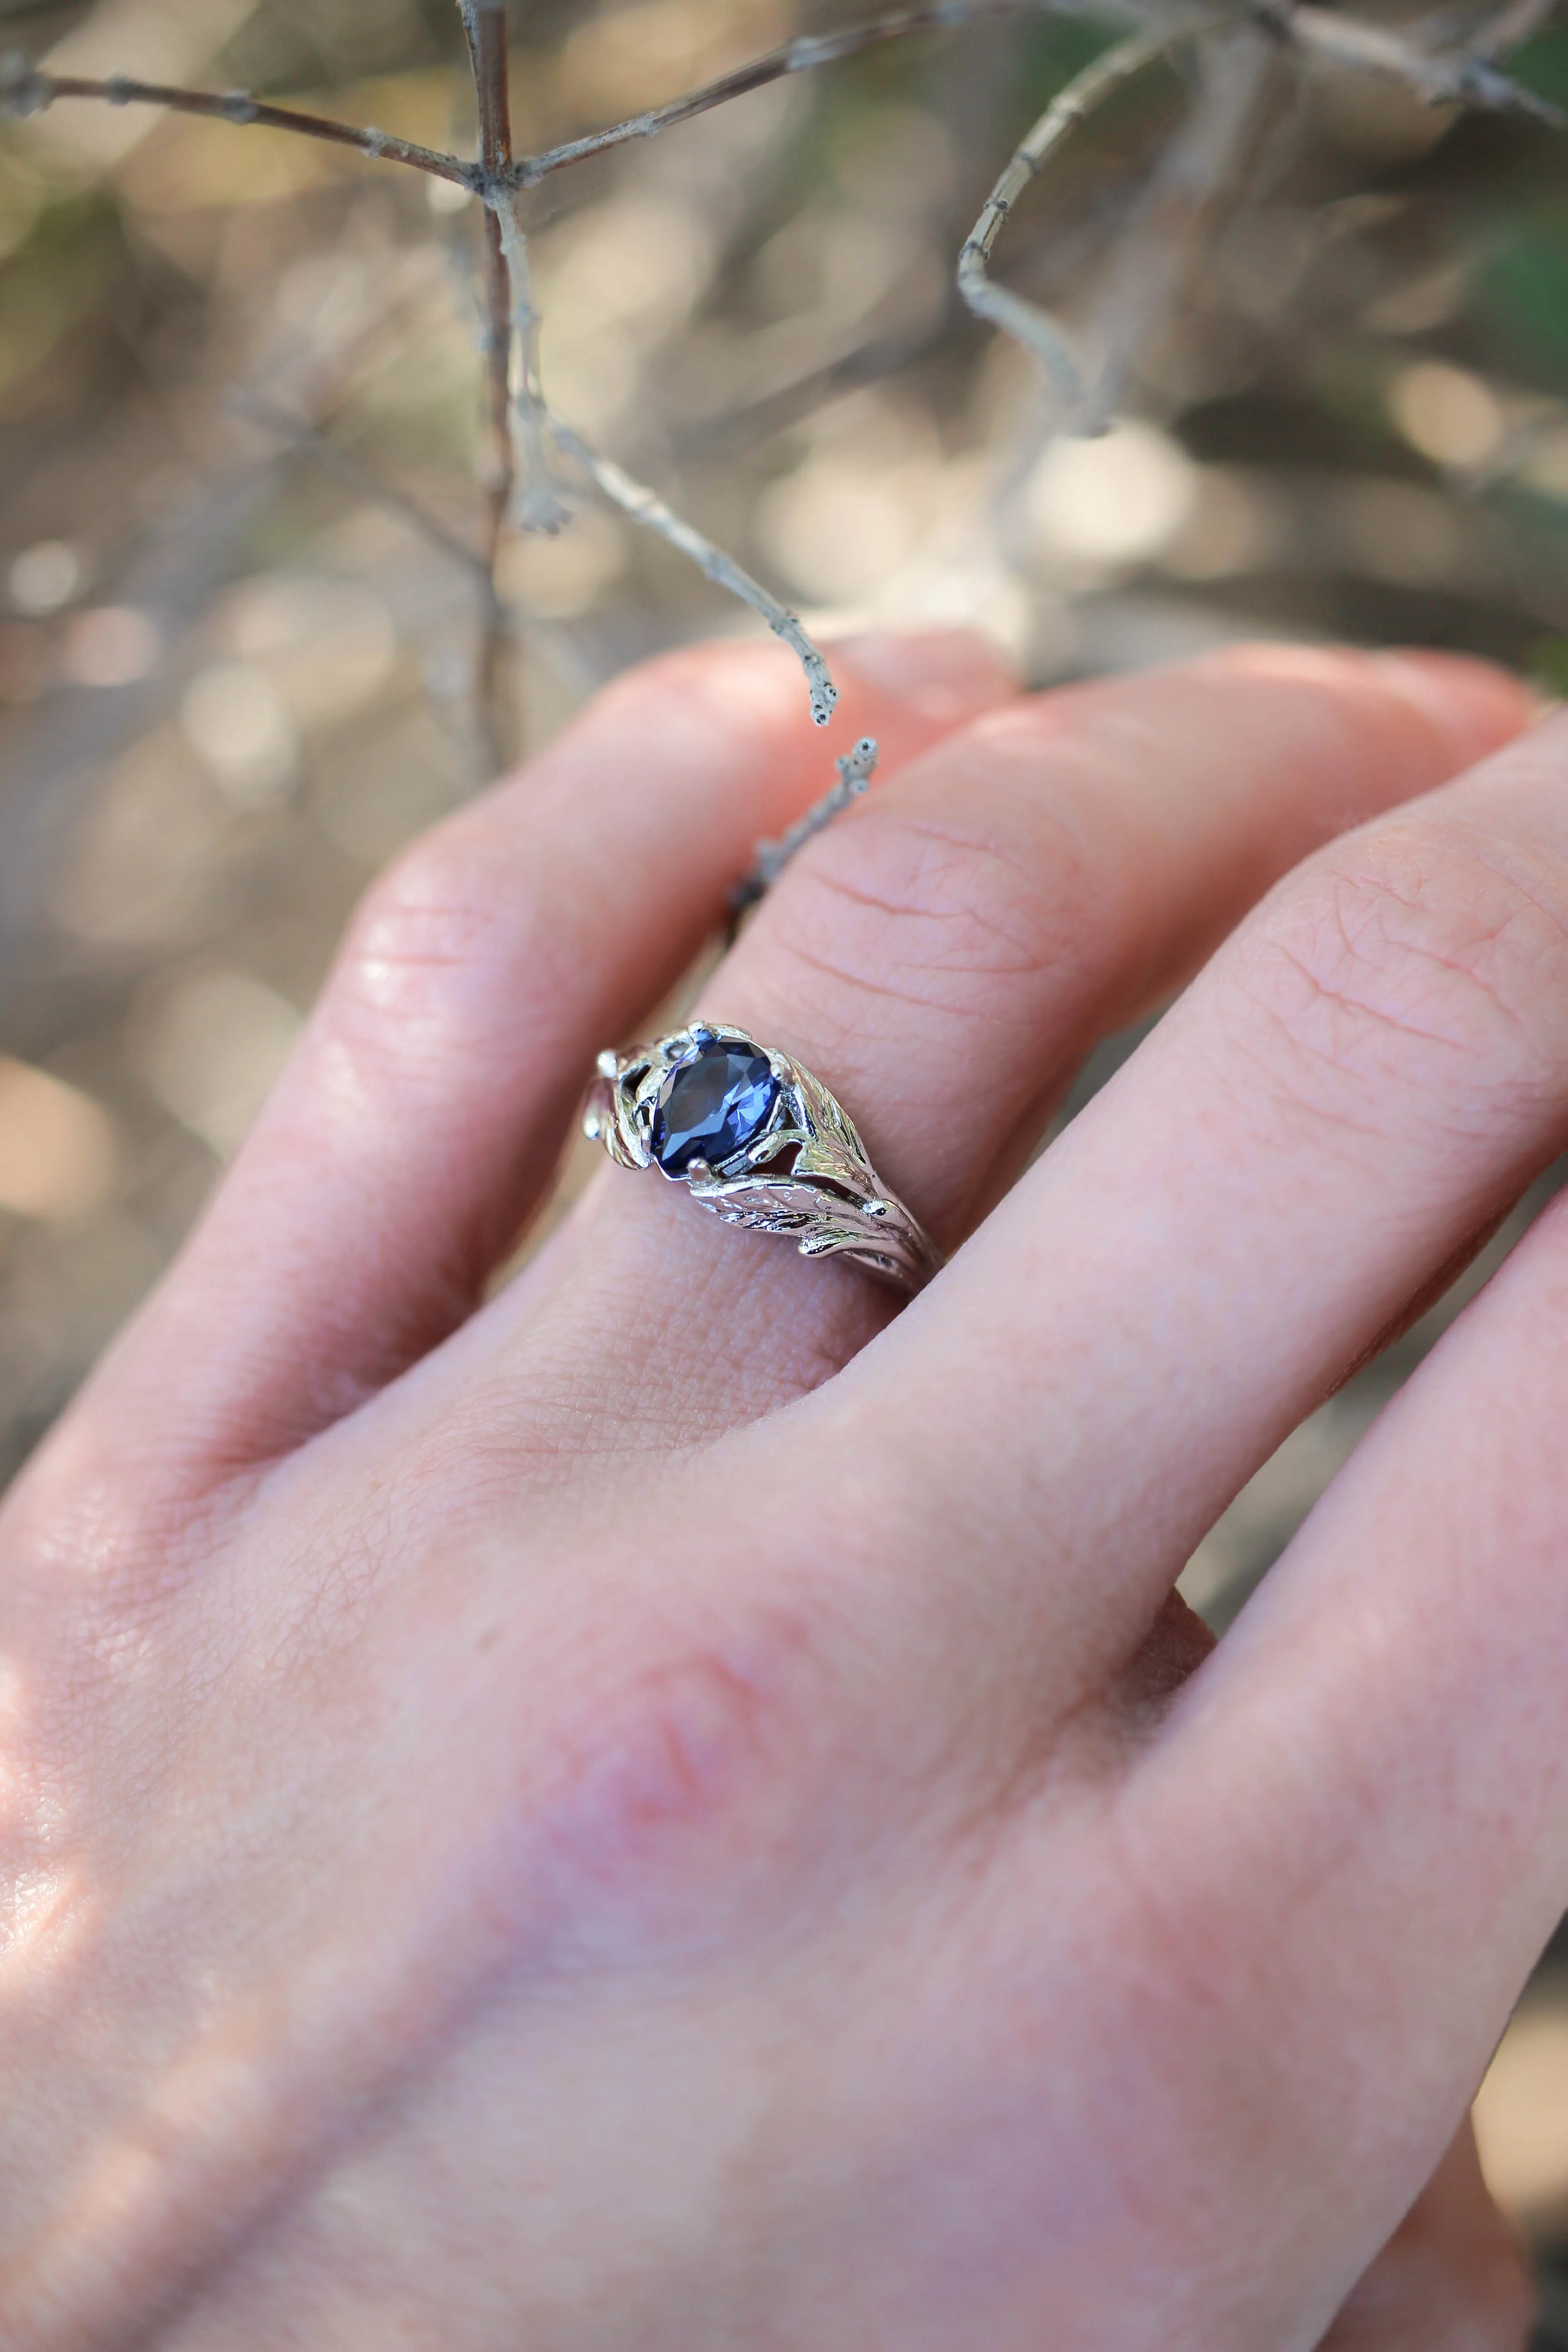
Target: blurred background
{"type": "Point", "coordinates": [240, 443]}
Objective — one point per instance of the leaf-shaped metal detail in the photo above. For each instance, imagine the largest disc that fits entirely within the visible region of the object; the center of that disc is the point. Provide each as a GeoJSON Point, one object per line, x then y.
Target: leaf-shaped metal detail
{"type": "Point", "coordinates": [806, 1176]}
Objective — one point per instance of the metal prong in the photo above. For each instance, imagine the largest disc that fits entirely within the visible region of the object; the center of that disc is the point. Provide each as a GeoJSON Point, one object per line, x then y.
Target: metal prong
{"type": "Point", "coordinates": [608, 1064]}
{"type": "Point", "coordinates": [827, 1197]}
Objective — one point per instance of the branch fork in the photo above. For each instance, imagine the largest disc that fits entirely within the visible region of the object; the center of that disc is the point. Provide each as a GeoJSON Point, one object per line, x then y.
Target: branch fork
{"type": "Point", "coordinates": [524, 432]}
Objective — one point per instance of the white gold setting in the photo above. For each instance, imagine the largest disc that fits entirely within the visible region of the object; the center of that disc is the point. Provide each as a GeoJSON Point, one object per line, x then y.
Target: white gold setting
{"type": "Point", "coordinates": [802, 1173]}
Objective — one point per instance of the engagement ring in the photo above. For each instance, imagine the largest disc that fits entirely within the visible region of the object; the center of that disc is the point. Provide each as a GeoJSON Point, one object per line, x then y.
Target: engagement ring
{"type": "Point", "coordinates": [756, 1138]}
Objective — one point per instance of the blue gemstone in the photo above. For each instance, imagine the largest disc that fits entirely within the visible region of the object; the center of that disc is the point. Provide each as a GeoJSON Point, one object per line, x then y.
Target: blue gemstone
{"type": "Point", "coordinates": [711, 1105]}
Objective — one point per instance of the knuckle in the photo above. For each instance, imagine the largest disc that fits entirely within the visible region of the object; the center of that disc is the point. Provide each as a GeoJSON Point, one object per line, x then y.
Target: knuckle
{"type": "Point", "coordinates": [94, 1542]}
{"type": "Point", "coordinates": [411, 977]}
{"type": "Point", "coordinates": [934, 912]}
{"type": "Point", "coordinates": [418, 922]}
{"type": "Point", "coordinates": [672, 1801]}
{"type": "Point", "coordinates": [96, 1654]}
{"type": "Point", "coordinates": [1426, 958]}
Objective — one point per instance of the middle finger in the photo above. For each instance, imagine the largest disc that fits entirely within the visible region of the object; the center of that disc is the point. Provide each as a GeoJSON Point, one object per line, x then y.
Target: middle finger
{"type": "Point", "coordinates": [944, 957]}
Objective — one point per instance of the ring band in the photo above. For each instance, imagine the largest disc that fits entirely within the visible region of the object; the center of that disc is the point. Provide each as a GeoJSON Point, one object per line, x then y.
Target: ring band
{"type": "Point", "coordinates": [760, 1141]}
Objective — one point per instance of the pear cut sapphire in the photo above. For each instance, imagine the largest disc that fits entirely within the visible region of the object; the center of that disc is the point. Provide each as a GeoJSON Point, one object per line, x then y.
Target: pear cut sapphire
{"type": "Point", "coordinates": [711, 1105]}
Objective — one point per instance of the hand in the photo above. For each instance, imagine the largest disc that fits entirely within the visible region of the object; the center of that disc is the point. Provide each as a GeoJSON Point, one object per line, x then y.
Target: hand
{"type": "Point", "coordinates": [666, 1810]}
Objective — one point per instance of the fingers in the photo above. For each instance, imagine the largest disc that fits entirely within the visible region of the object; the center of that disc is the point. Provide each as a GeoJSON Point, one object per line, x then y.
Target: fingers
{"type": "Point", "coordinates": [943, 957]}
{"type": "Point", "coordinates": [1381, 1734]}
{"type": "Point", "coordinates": [1361, 1079]}
{"type": "Point", "coordinates": [1058, 865]}
{"type": "Point", "coordinates": [428, 1103]}
{"type": "Point", "coordinates": [1353, 1831]}
{"type": "Point", "coordinates": [1454, 2277]}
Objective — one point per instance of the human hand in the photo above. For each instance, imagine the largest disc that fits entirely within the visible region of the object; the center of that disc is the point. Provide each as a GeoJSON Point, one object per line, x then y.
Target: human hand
{"type": "Point", "coordinates": [667, 1809]}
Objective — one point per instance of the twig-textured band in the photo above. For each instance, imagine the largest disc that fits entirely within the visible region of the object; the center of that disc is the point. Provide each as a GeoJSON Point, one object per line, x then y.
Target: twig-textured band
{"type": "Point", "coordinates": [760, 1141]}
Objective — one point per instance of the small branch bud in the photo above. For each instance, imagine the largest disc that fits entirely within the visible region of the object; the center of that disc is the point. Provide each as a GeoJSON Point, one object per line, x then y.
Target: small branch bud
{"type": "Point", "coordinates": [23, 90]}
{"type": "Point", "coordinates": [646, 507]}
{"type": "Point", "coordinates": [855, 769]}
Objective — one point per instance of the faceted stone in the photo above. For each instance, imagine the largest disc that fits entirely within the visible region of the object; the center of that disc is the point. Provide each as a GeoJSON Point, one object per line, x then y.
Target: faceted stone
{"type": "Point", "coordinates": [710, 1106]}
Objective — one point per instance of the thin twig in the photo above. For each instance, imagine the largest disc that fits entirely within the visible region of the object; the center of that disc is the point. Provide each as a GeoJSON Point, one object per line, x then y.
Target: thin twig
{"type": "Point", "coordinates": [1481, 28]}
{"type": "Point", "coordinates": [484, 22]}
{"type": "Point", "coordinates": [855, 769]}
{"type": "Point", "coordinates": [310, 444]}
{"type": "Point", "coordinates": [1466, 78]}
{"type": "Point", "coordinates": [538, 508]}
{"type": "Point", "coordinates": [1453, 78]}
{"type": "Point", "coordinates": [799, 56]}
{"type": "Point", "coordinates": [302, 438]}
{"type": "Point", "coordinates": [1150, 267]}
{"type": "Point", "coordinates": [711, 432]}
{"type": "Point", "coordinates": [1459, 77]}
{"type": "Point", "coordinates": [1512, 25]}
{"type": "Point", "coordinates": [1428, 60]}
{"type": "Point", "coordinates": [1423, 71]}
{"type": "Point", "coordinates": [513, 320]}
{"type": "Point", "coordinates": [1025, 321]}
{"type": "Point", "coordinates": [646, 507]}
{"type": "Point", "coordinates": [25, 88]}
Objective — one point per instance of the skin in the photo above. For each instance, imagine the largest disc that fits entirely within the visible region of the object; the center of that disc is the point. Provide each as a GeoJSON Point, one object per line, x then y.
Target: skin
{"type": "Point", "coordinates": [668, 1805]}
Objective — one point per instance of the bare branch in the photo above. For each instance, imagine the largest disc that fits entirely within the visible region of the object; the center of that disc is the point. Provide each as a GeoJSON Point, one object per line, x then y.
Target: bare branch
{"type": "Point", "coordinates": [1511, 28]}
{"type": "Point", "coordinates": [1467, 79]}
{"type": "Point", "coordinates": [1482, 29]}
{"type": "Point", "coordinates": [1429, 58]}
{"type": "Point", "coordinates": [855, 769]}
{"type": "Point", "coordinates": [24, 88]}
{"type": "Point", "coordinates": [800, 56]}
{"type": "Point", "coordinates": [302, 438]}
{"type": "Point", "coordinates": [1443, 78]}
{"type": "Point", "coordinates": [646, 507]}
{"type": "Point", "coordinates": [1025, 321]}
{"type": "Point", "coordinates": [1463, 77]}
{"type": "Point", "coordinates": [538, 508]}
{"type": "Point", "coordinates": [484, 22]}
{"type": "Point", "coordinates": [1150, 267]}
{"type": "Point", "coordinates": [512, 318]}
{"type": "Point", "coordinates": [1190, 175]}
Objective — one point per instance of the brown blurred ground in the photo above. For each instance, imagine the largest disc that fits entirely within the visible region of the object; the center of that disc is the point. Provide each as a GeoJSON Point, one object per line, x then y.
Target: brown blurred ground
{"type": "Point", "coordinates": [234, 676]}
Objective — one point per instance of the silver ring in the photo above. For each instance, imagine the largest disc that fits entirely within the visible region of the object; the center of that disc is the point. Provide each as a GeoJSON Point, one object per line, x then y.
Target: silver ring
{"type": "Point", "coordinates": [756, 1138]}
